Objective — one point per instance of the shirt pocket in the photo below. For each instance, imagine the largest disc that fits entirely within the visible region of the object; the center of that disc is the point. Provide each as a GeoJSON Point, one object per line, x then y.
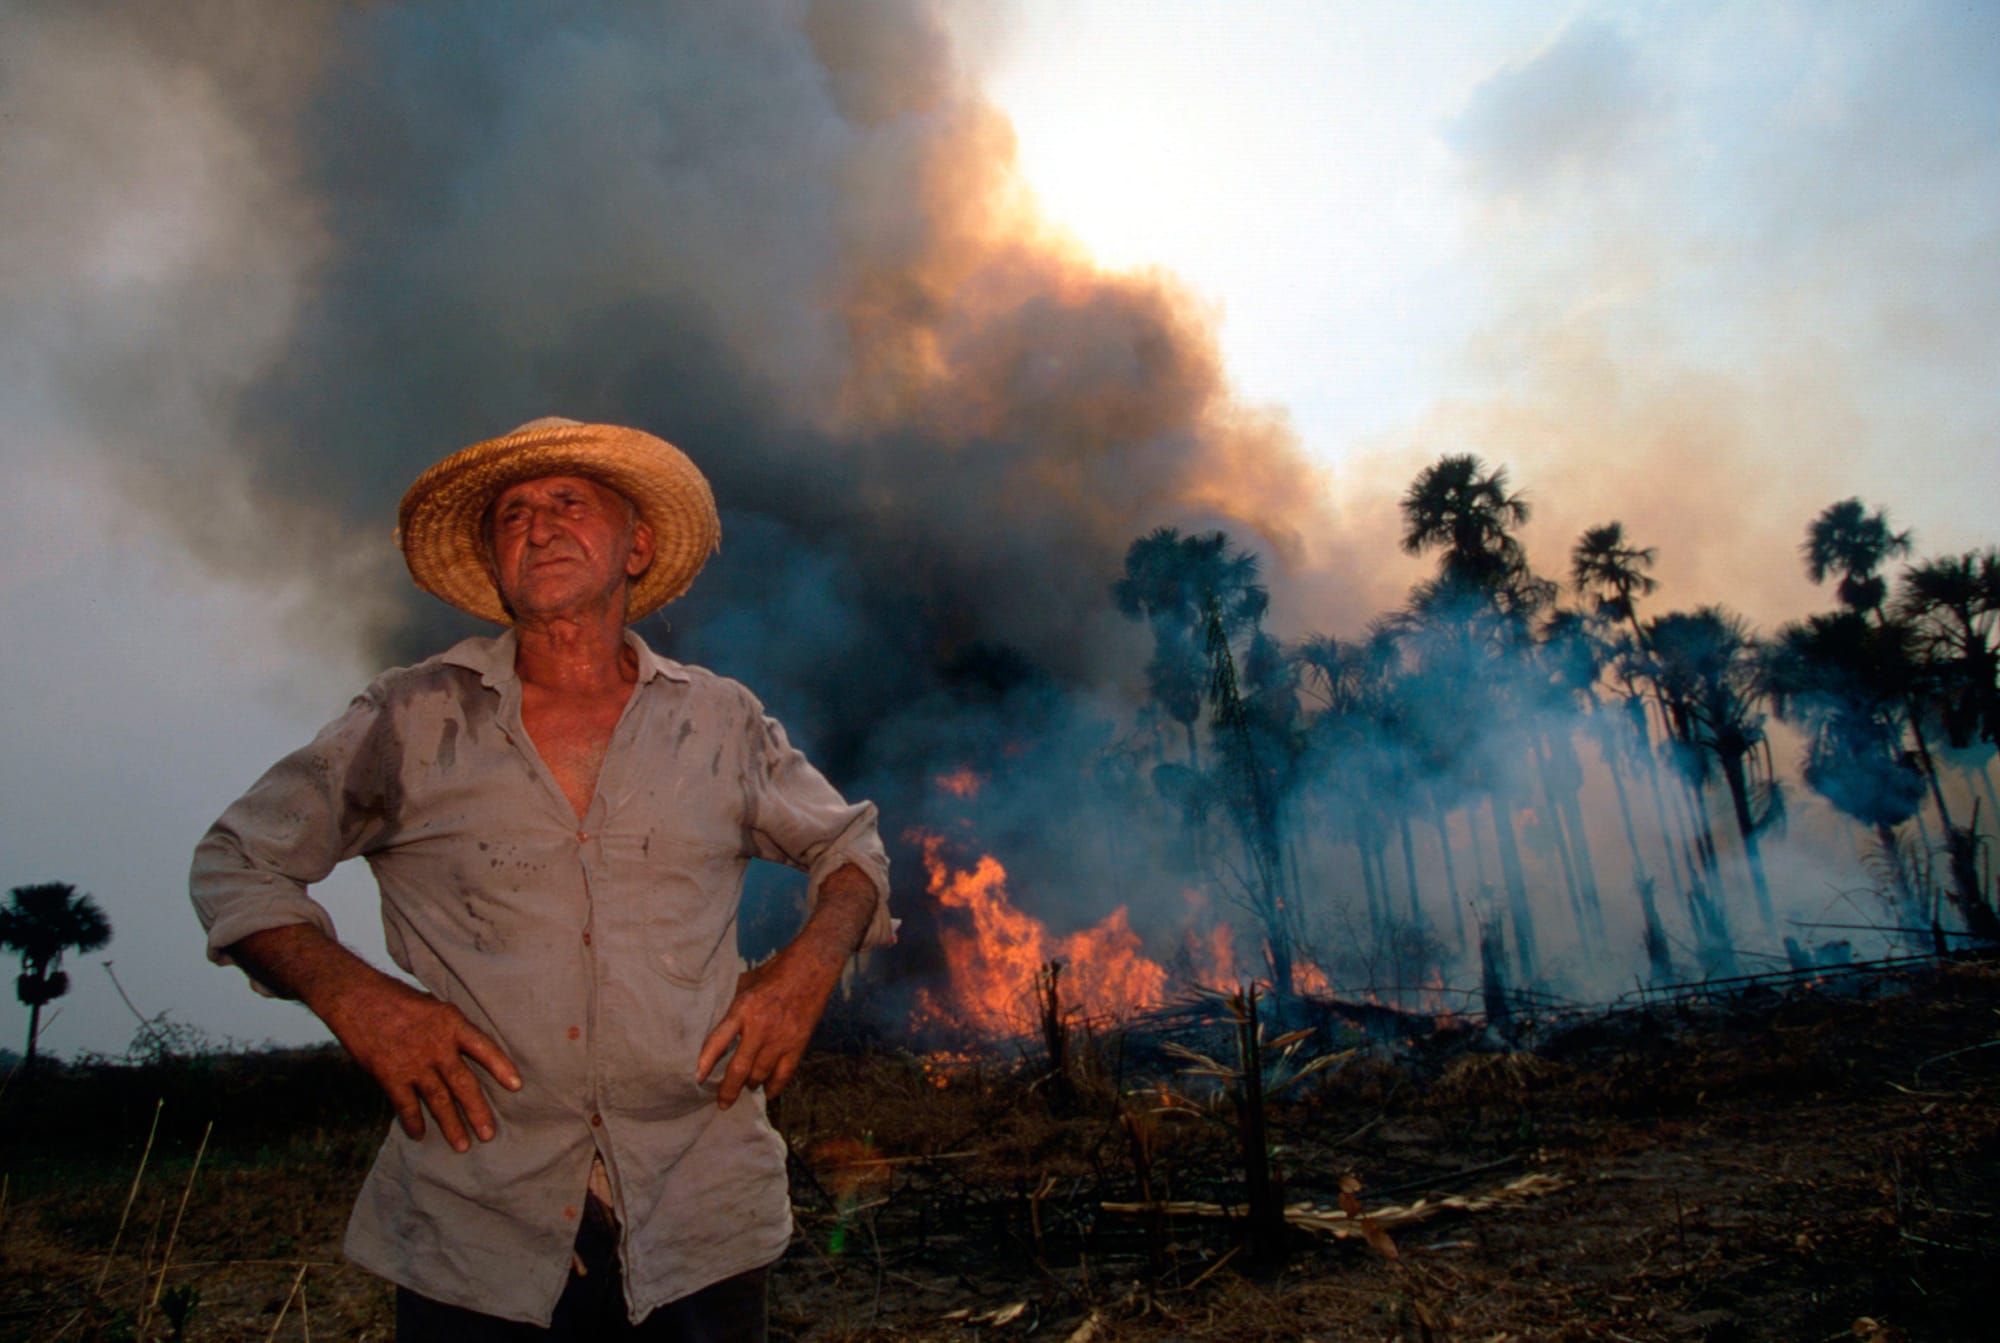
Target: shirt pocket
{"type": "Point", "coordinates": [686, 906]}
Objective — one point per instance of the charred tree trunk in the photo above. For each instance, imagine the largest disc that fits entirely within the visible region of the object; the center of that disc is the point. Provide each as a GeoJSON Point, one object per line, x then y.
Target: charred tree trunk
{"type": "Point", "coordinates": [1410, 867]}
{"type": "Point", "coordinates": [1659, 961]}
{"type": "Point", "coordinates": [1263, 1191]}
{"type": "Point", "coordinates": [1681, 877]}
{"type": "Point", "coordinates": [1746, 825]}
{"type": "Point", "coordinates": [1441, 820]}
{"type": "Point", "coordinates": [1586, 865]}
{"type": "Point", "coordinates": [1566, 781]}
{"type": "Point", "coordinates": [1560, 843]}
{"type": "Point", "coordinates": [1493, 975]}
{"type": "Point", "coordinates": [1055, 1039]}
{"type": "Point", "coordinates": [1985, 776]}
{"type": "Point", "coordinates": [1909, 906]}
{"type": "Point", "coordinates": [1967, 890]}
{"type": "Point", "coordinates": [1254, 805]}
{"type": "Point", "coordinates": [1520, 913]}
{"type": "Point", "coordinates": [1366, 848]}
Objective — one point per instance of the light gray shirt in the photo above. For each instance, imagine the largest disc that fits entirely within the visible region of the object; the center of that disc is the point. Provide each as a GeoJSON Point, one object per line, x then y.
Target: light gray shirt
{"type": "Point", "coordinates": [599, 956]}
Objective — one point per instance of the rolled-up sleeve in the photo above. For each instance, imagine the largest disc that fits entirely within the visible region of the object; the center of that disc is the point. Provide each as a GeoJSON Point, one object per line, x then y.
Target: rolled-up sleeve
{"type": "Point", "coordinates": [802, 820]}
{"type": "Point", "coordinates": [252, 869]}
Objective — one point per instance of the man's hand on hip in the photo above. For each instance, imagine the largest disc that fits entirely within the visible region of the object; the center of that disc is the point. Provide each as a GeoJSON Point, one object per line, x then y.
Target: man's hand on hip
{"type": "Point", "coordinates": [779, 1003]}
{"type": "Point", "coordinates": [414, 1045]}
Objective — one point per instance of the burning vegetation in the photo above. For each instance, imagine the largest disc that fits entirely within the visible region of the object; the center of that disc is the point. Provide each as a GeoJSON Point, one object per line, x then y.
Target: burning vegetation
{"type": "Point", "coordinates": [1004, 548]}
{"type": "Point", "coordinates": [1511, 794]}
{"type": "Point", "coordinates": [1802, 1161]}
{"type": "Point", "coordinates": [1006, 552]}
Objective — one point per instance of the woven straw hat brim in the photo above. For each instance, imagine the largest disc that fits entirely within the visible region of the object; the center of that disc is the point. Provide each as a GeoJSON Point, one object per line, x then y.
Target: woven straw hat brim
{"type": "Point", "coordinates": [438, 525]}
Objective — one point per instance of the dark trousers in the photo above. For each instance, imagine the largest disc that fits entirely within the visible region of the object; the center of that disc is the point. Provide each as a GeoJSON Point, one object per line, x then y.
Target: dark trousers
{"type": "Point", "coordinates": [593, 1308]}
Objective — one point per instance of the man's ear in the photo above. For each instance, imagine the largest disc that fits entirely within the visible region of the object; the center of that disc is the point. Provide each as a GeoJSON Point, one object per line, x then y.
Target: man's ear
{"type": "Point", "coordinates": [641, 557]}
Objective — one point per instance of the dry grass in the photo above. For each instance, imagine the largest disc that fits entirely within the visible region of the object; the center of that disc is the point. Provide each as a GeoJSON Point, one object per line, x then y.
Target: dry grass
{"type": "Point", "coordinates": [1758, 1175]}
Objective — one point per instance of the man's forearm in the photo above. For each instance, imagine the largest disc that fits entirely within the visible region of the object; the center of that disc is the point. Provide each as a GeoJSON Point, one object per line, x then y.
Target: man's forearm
{"type": "Point", "coordinates": [840, 918]}
{"type": "Point", "coordinates": [299, 961]}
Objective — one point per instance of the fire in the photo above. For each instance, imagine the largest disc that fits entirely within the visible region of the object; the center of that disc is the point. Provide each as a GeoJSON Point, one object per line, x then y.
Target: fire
{"type": "Point", "coordinates": [1214, 956]}
{"type": "Point", "coordinates": [960, 783]}
{"type": "Point", "coordinates": [993, 967]}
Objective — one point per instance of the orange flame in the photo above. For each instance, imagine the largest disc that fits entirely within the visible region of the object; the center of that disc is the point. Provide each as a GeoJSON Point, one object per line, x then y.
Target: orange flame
{"type": "Point", "coordinates": [993, 967]}
{"type": "Point", "coordinates": [960, 783]}
{"type": "Point", "coordinates": [1214, 956]}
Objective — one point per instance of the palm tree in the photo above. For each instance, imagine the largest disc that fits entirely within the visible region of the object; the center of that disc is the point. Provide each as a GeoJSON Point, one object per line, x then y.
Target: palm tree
{"type": "Point", "coordinates": [1708, 672]}
{"type": "Point", "coordinates": [1952, 607]}
{"type": "Point", "coordinates": [1848, 540]}
{"type": "Point", "coordinates": [1256, 744]}
{"type": "Point", "coordinates": [1575, 656]}
{"type": "Point", "coordinates": [1473, 629]}
{"type": "Point", "coordinates": [42, 922]}
{"type": "Point", "coordinates": [1851, 682]}
{"type": "Point", "coordinates": [1362, 736]}
{"type": "Point", "coordinates": [1612, 573]}
{"type": "Point", "coordinates": [1168, 582]}
{"type": "Point", "coordinates": [1464, 696]}
{"type": "Point", "coordinates": [1459, 508]}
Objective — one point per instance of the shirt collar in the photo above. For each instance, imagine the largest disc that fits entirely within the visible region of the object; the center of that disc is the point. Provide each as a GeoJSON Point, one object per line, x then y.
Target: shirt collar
{"type": "Point", "coordinates": [493, 658]}
{"type": "Point", "coordinates": [651, 664]}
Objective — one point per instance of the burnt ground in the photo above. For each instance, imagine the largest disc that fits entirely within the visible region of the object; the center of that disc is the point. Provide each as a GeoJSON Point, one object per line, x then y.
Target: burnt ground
{"type": "Point", "coordinates": [1817, 1164]}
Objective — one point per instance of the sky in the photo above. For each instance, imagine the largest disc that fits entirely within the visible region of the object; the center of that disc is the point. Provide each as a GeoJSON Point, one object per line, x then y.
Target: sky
{"type": "Point", "coordinates": [1701, 267]}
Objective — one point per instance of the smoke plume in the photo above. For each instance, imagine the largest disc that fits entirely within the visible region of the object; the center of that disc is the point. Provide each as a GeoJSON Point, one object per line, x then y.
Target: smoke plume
{"type": "Point", "coordinates": [317, 246]}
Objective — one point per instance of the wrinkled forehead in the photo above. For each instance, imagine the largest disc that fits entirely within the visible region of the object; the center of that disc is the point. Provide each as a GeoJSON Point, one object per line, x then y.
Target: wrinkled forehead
{"type": "Point", "coordinates": [540, 487]}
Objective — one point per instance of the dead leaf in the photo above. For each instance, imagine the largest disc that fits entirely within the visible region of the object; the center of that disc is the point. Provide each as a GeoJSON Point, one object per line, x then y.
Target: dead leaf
{"type": "Point", "coordinates": [1088, 1330]}
{"type": "Point", "coordinates": [1378, 1239]}
{"type": "Point", "coordinates": [1350, 1196]}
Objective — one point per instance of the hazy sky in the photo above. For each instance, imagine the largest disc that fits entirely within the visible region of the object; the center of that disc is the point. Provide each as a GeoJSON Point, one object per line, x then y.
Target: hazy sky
{"type": "Point", "coordinates": [1702, 267]}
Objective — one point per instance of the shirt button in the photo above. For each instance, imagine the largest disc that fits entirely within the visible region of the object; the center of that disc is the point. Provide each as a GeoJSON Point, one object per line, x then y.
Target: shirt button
{"type": "Point", "coordinates": [597, 1121]}
{"type": "Point", "coordinates": [586, 937]}
{"type": "Point", "coordinates": [583, 836]}
{"type": "Point", "coordinates": [576, 1032]}
{"type": "Point", "coordinates": [570, 1213]}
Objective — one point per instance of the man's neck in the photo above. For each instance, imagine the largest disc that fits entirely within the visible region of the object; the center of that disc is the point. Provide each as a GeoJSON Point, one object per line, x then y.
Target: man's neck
{"type": "Point", "coordinates": [571, 655]}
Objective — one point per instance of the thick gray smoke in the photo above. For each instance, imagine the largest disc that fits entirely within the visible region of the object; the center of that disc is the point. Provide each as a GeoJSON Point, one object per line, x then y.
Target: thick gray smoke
{"type": "Point", "coordinates": [320, 245]}
{"type": "Point", "coordinates": [784, 236]}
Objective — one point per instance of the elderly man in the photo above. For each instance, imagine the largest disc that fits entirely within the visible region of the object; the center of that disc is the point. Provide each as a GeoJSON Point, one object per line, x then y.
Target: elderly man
{"type": "Point", "coordinates": [559, 820]}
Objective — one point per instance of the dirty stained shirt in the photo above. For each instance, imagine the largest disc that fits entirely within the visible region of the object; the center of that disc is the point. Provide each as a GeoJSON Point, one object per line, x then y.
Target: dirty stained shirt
{"type": "Point", "coordinates": [598, 955]}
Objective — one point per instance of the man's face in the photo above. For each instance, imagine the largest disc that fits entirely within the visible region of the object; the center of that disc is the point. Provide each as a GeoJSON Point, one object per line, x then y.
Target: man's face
{"type": "Point", "coordinates": [565, 545]}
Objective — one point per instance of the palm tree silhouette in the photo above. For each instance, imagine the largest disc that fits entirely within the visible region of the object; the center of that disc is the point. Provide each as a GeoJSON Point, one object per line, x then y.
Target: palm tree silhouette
{"type": "Point", "coordinates": [1364, 738]}
{"type": "Point", "coordinates": [41, 922]}
{"type": "Point", "coordinates": [1952, 606]}
{"type": "Point", "coordinates": [1470, 628]}
{"type": "Point", "coordinates": [1257, 747]}
{"type": "Point", "coordinates": [1708, 671]}
{"type": "Point", "coordinates": [1574, 656]}
{"type": "Point", "coordinates": [1464, 656]}
{"type": "Point", "coordinates": [1848, 540]}
{"type": "Point", "coordinates": [1459, 508]}
{"type": "Point", "coordinates": [1612, 573]}
{"type": "Point", "coordinates": [1168, 582]}
{"type": "Point", "coordinates": [1846, 682]}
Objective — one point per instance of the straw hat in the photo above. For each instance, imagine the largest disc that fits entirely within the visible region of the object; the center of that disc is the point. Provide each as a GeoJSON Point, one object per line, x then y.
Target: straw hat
{"type": "Point", "coordinates": [439, 524]}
